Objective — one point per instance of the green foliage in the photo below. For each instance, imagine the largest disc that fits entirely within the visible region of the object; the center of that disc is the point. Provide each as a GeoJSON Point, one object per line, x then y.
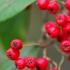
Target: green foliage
{"type": "Point", "coordinates": [14, 23]}
{"type": "Point", "coordinates": [10, 8]}
{"type": "Point", "coordinates": [15, 27]}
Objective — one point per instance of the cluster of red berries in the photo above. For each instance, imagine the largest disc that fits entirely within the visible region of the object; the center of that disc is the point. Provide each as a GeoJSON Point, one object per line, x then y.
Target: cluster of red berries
{"type": "Point", "coordinates": [14, 51]}
{"type": "Point", "coordinates": [30, 62]}
{"type": "Point", "coordinates": [61, 29]}
{"type": "Point", "coordinates": [61, 34]}
{"type": "Point", "coordinates": [49, 5]}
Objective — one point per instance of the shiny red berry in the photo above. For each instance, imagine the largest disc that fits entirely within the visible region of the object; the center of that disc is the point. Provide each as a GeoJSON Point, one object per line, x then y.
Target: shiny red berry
{"type": "Point", "coordinates": [53, 7]}
{"type": "Point", "coordinates": [52, 29]}
{"type": "Point", "coordinates": [67, 4]}
{"type": "Point", "coordinates": [16, 44]}
{"type": "Point", "coordinates": [12, 54]}
{"type": "Point", "coordinates": [66, 29]}
{"type": "Point", "coordinates": [42, 63]}
{"type": "Point", "coordinates": [31, 62]}
{"type": "Point", "coordinates": [61, 19]}
{"type": "Point", "coordinates": [20, 63]}
{"type": "Point", "coordinates": [42, 4]}
{"type": "Point", "coordinates": [65, 46]}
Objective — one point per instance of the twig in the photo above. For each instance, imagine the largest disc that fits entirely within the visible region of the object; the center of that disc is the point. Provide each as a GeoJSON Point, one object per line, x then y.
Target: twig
{"type": "Point", "coordinates": [30, 44]}
{"type": "Point", "coordinates": [45, 56]}
{"type": "Point", "coordinates": [45, 53]}
{"type": "Point", "coordinates": [61, 62]}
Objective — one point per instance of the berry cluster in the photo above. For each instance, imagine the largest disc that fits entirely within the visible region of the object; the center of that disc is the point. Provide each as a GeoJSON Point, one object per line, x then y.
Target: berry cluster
{"type": "Point", "coordinates": [50, 5]}
{"type": "Point", "coordinates": [30, 62]}
{"type": "Point", "coordinates": [14, 51]}
{"type": "Point", "coordinates": [61, 29]}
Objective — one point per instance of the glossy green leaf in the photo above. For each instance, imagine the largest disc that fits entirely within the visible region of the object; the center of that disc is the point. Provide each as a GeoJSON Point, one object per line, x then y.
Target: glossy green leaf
{"type": "Point", "coordinates": [10, 8]}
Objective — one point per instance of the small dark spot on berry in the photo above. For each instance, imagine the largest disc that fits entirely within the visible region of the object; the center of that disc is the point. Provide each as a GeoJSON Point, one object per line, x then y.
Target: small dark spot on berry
{"type": "Point", "coordinates": [30, 62]}
{"type": "Point", "coordinates": [59, 18]}
{"type": "Point", "coordinates": [65, 46]}
{"type": "Point", "coordinates": [15, 44]}
{"type": "Point", "coordinates": [51, 9]}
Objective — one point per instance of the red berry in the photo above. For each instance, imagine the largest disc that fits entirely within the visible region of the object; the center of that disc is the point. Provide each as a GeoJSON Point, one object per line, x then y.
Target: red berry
{"type": "Point", "coordinates": [42, 63]}
{"type": "Point", "coordinates": [63, 37]}
{"type": "Point", "coordinates": [61, 19]}
{"type": "Point", "coordinates": [65, 46]}
{"type": "Point", "coordinates": [52, 29]}
{"type": "Point", "coordinates": [20, 63]}
{"type": "Point", "coordinates": [12, 54]}
{"type": "Point", "coordinates": [67, 5]}
{"type": "Point", "coordinates": [66, 29]}
{"type": "Point", "coordinates": [68, 19]}
{"type": "Point", "coordinates": [53, 7]}
{"type": "Point", "coordinates": [42, 4]}
{"type": "Point", "coordinates": [31, 62]}
{"type": "Point", "coordinates": [16, 44]}
{"type": "Point", "coordinates": [69, 13]}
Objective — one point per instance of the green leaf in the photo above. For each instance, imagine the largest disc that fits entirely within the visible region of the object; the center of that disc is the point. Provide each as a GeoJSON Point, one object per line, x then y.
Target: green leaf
{"type": "Point", "coordinates": [10, 8]}
{"type": "Point", "coordinates": [15, 27]}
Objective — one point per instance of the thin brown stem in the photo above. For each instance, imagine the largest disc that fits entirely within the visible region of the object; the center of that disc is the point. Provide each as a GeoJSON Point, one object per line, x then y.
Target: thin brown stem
{"type": "Point", "coordinates": [44, 52]}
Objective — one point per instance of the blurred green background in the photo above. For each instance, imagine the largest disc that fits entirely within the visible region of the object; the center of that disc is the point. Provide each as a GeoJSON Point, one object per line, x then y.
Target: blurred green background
{"type": "Point", "coordinates": [22, 20]}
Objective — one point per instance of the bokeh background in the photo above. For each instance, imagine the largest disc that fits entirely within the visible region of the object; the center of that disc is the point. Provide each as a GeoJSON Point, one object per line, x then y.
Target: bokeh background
{"type": "Point", "coordinates": [27, 26]}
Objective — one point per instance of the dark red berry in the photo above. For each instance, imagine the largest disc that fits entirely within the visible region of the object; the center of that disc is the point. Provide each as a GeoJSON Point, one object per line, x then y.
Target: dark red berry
{"type": "Point", "coordinates": [61, 19]}
{"type": "Point", "coordinates": [53, 7]}
{"type": "Point", "coordinates": [31, 62]}
{"type": "Point", "coordinates": [43, 4]}
{"type": "Point", "coordinates": [42, 63]}
{"type": "Point", "coordinates": [16, 44]}
{"type": "Point", "coordinates": [12, 54]}
{"type": "Point", "coordinates": [20, 63]}
{"type": "Point", "coordinates": [66, 29]}
{"type": "Point", "coordinates": [63, 37]}
{"type": "Point", "coordinates": [52, 29]}
{"type": "Point", "coordinates": [67, 4]}
{"type": "Point", "coordinates": [65, 46]}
